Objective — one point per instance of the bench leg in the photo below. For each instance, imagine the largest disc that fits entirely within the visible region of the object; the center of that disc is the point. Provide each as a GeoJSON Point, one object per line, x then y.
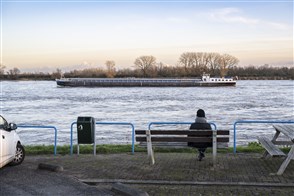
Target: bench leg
{"type": "Point", "coordinates": [286, 162]}
{"type": "Point", "coordinates": [265, 154]}
{"type": "Point", "coordinates": [149, 147]}
{"type": "Point", "coordinates": [276, 136]}
{"type": "Point", "coordinates": [214, 148]}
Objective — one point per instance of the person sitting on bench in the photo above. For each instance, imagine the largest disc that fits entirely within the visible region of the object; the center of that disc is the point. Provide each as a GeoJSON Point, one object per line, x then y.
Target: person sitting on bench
{"type": "Point", "coordinates": [200, 123]}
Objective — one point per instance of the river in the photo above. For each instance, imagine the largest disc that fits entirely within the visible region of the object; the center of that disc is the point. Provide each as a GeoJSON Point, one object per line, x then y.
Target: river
{"type": "Point", "coordinates": [43, 103]}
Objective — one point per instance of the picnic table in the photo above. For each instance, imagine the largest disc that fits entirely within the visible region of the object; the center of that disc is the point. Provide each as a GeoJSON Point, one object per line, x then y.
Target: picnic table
{"type": "Point", "coordinates": [272, 148]}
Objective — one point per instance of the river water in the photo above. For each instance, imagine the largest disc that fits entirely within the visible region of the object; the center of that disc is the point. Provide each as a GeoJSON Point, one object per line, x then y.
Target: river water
{"type": "Point", "coordinates": [43, 103]}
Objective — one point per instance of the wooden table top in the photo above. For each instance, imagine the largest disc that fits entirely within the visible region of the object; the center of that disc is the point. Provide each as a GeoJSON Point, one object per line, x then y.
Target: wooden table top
{"type": "Point", "coordinates": [286, 129]}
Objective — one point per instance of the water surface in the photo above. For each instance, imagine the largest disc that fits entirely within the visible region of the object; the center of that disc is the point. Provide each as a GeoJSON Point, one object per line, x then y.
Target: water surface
{"type": "Point", "coordinates": [43, 103]}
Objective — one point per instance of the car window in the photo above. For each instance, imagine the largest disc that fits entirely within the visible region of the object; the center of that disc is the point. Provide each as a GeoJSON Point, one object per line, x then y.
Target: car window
{"type": "Point", "coordinates": [3, 123]}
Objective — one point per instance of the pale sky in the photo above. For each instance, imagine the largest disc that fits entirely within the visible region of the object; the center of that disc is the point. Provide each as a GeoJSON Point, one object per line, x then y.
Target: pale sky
{"type": "Point", "coordinates": [38, 35]}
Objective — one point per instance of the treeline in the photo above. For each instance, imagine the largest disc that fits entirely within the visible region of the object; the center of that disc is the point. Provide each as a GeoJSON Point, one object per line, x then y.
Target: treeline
{"type": "Point", "coordinates": [264, 72]}
{"type": "Point", "coordinates": [243, 73]}
{"type": "Point", "coordinates": [190, 64]}
{"type": "Point", "coordinates": [30, 76]}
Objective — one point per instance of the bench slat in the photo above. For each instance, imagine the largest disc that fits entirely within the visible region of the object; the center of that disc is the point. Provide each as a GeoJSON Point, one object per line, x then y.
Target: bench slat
{"type": "Point", "coordinates": [287, 130]}
{"type": "Point", "coordinates": [178, 144]}
{"type": "Point", "coordinates": [183, 132]}
{"type": "Point", "coordinates": [182, 139]}
{"type": "Point", "coordinates": [270, 147]}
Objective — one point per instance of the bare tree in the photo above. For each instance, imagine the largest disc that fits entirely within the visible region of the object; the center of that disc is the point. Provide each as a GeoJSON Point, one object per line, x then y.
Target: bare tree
{"type": "Point", "coordinates": [145, 64]}
{"type": "Point", "coordinates": [13, 73]}
{"type": "Point", "coordinates": [186, 59]}
{"type": "Point", "coordinates": [57, 74]}
{"type": "Point", "coordinates": [201, 62]}
{"type": "Point", "coordinates": [2, 68]}
{"type": "Point", "coordinates": [110, 68]}
{"type": "Point", "coordinates": [198, 59]}
{"type": "Point", "coordinates": [195, 63]}
{"type": "Point", "coordinates": [213, 62]}
{"type": "Point", "coordinates": [226, 62]}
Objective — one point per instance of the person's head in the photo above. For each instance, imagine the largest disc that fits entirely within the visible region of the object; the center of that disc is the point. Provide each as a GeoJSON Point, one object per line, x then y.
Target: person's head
{"type": "Point", "coordinates": [200, 113]}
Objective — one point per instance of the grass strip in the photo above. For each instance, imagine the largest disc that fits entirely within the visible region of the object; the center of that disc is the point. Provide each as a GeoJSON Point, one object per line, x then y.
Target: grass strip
{"type": "Point", "coordinates": [252, 147]}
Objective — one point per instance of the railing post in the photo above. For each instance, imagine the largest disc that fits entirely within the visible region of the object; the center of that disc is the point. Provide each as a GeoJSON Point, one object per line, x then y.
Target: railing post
{"type": "Point", "coordinates": [55, 141]}
{"type": "Point", "coordinates": [94, 145]}
{"type": "Point", "coordinates": [71, 137]}
{"type": "Point", "coordinates": [133, 138]}
{"type": "Point", "coordinates": [44, 127]}
{"type": "Point", "coordinates": [235, 124]}
{"type": "Point", "coordinates": [214, 146]}
{"type": "Point", "coordinates": [149, 147]}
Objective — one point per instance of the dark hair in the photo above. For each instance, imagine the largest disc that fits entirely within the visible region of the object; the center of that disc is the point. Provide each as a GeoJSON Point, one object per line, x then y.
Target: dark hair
{"type": "Point", "coordinates": [200, 113]}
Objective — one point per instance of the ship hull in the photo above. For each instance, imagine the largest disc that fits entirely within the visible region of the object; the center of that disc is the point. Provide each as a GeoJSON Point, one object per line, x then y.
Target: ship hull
{"type": "Point", "coordinates": [122, 82]}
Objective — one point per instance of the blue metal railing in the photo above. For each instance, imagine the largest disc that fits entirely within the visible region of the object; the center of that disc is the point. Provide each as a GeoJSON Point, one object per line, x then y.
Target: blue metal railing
{"type": "Point", "coordinates": [105, 123]}
{"type": "Point", "coordinates": [71, 137]}
{"type": "Point", "coordinates": [175, 123]}
{"type": "Point", "coordinates": [255, 122]}
{"type": "Point", "coordinates": [43, 127]}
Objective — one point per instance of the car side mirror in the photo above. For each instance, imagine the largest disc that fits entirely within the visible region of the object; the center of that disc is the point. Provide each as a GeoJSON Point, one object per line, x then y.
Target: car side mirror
{"type": "Point", "coordinates": [12, 126]}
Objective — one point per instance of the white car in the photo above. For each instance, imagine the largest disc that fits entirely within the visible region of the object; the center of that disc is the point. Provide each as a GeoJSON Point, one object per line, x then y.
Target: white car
{"type": "Point", "coordinates": [11, 150]}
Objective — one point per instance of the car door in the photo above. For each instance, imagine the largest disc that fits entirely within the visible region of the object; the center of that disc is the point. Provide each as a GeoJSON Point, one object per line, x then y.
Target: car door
{"type": "Point", "coordinates": [7, 146]}
{"type": "Point", "coordinates": [1, 149]}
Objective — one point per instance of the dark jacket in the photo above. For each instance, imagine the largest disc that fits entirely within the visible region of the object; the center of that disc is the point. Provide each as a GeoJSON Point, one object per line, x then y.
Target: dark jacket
{"type": "Point", "coordinates": [200, 123]}
{"type": "Point", "coordinates": [200, 126]}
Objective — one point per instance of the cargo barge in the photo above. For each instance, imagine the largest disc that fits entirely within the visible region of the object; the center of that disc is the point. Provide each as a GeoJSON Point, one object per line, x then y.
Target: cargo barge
{"type": "Point", "coordinates": [205, 81]}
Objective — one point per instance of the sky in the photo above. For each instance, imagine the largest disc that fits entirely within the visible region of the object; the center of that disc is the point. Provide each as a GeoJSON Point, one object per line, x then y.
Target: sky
{"type": "Point", "coordinates": [45, 35]}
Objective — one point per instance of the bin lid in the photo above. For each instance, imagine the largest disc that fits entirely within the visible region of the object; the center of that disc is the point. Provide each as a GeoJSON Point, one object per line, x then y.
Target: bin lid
{"type": "Point", "coordinates": [85, 118]}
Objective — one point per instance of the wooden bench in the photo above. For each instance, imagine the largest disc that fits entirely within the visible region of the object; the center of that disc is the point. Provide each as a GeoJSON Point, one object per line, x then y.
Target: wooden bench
{"type": "Point", "coordinates": [271, 148]}
{"type": "Point", "coordinates": [198, 137]}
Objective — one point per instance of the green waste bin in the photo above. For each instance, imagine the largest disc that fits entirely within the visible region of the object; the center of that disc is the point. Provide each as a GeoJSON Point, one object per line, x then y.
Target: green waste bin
{"type": "Point", "coordinates": [86, 130]}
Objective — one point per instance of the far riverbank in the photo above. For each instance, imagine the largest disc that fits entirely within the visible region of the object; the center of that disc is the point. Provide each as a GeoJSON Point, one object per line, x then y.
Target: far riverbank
{"type": "Point", "coordinates": [49, 78]}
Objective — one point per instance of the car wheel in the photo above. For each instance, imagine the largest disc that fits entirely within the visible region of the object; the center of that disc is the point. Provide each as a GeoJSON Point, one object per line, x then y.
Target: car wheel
{"type": "Point", "coordinates": [19, 155]}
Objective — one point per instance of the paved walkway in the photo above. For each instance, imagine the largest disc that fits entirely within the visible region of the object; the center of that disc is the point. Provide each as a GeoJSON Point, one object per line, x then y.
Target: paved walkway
{"type": "Point", "coordinates": [178, 173]}
{"type": "Point", "coordinates": [25, 181]}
